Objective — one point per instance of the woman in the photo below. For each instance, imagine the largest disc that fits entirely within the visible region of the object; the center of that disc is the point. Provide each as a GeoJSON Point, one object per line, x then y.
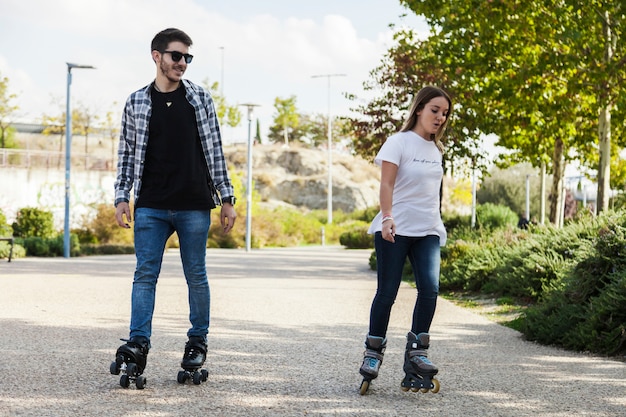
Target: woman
{"type": "Point", "coordinates": [409, 225]}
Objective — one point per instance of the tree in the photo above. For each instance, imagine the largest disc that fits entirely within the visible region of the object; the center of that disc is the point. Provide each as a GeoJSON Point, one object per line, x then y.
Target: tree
{"type": "Point", "coordinates": [110, 125]}
{"type": "Point", "coordinates": [83, 124]}
{"type": "Point", "coordinates": [408, 66]}
{"type": "Point", "coordinates": [543, 71]}
{"type": "Point", "coordinates": [226, 114]}
{"type": "Point", "coordinates": [7, 109]}
{"type": "Point", "coordinates": [55, 125]}
{"type": "Point", "coordinates": [286, 116]}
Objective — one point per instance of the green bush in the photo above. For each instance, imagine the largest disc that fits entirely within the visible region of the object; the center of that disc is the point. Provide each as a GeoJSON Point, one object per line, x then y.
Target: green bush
{"type": "Point", "coordinates": [38, 246]}
{"type": "Point", "coordinates": [586, 311]}
{"type": "Point", "coordinates": [5, 250]}
{"type": "Point", "coordinates": [91, 249]}
{"type": "Point", "coordinates": [573, 279]}
{"type": "Point", "coordinates": [5, 229]}
{"type": "Point", "coordinates": [357, 239]}
{"type": "Point", "coordinates": [33, 222]}
{"type": "Point", "coordinates": [491, 216]}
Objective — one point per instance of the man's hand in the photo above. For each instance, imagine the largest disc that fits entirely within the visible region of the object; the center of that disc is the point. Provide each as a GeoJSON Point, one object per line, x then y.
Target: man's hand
{"type": "Point", "coordinates": [227, 217]}
{"type": "Point", "coordinates": [123, 209]}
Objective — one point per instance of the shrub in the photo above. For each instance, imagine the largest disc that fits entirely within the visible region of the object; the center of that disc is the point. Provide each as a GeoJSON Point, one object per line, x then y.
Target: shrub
{"type": "Point", "coordinates": [357, 239]}
{"type": "Point", "coordinates": [5, 250]}
{"type": "Point", "coordinates": [104, 229]}
{"type": "Point", "coordinates": [37, 246]}
{"type": "Point", "coordinates": [33, 222]}
{"type": "Point", "coordinates": [5, 229]}
{"type": "Point", "coordinates": [107, 249]}
{"type": "Point", "coordinates": [491, 216]}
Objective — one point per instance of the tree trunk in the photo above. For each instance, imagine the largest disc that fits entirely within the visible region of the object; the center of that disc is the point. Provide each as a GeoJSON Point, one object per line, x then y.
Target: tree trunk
{"type": "Point", "coordinates": [604, 168]}
{"type": "Point", "coordinates": [604, 126]}
{"type": "Point", "coordinates": [542, 210]}
{"type": "Point", "coordinates": [558, 165]}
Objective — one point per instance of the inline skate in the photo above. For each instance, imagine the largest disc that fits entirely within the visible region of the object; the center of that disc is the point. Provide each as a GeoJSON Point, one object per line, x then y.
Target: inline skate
{"type": "Point", "coordinates": [418, 369]}
{"type": "Point", "coordinates": [193, 359]}
{"type": "Point", "coordinates": [372, 359]}
{"type": "Point", "coordinates": [130, 359]}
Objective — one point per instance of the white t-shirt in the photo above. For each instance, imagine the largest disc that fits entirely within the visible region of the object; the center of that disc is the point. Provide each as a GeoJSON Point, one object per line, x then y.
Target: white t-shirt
{"type": "Point", "coordinates": [415, 204]}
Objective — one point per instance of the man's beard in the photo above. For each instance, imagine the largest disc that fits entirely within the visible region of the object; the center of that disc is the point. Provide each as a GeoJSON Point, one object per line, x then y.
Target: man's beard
{"type": "Point", "coordinates": [165, 69]}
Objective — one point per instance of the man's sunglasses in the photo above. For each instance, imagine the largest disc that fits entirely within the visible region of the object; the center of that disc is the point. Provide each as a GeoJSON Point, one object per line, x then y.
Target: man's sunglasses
{"type": "Point", "coordinates": [176, 56]}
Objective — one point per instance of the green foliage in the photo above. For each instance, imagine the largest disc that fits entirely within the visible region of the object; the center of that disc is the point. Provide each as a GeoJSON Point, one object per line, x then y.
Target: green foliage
{"type": "Point", "coordinates": [507, 187]}
{"type": "Point", "coordinates": [226, 114]}
{"type": "Point", "coordinates": [5, 229]}
{"type": "Point", "coordinates": [5, 250]}
{"type": "Point", "coordinates": [286, 117]}
{"type": "Point", "coordinates": [107, 249]}
{"type": "Point", "coordinates": [574, 279]}
{"type": "Point", "coordinates": [33, 222]}
{"type": "Point", "coordinates": [7, 110]}
{"type": "Point", "coordinates": [52, 246]}
{"type": "Point", "coordinates": [357, 238]}
{"type": "Point", "coordinates": [491, 216]}
{"type": "Point", "coordinates": [536, 74]}
{"type": "Point", "coordinates": [103, 228]}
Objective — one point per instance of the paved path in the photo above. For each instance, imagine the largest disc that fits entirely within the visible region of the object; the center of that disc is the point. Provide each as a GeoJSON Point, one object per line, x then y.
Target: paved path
{"type": "Point", "coordinates": [286, 340]}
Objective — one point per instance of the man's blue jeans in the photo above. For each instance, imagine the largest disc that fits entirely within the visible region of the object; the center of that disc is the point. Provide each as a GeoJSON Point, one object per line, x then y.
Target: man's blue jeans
{"type": "Point", "coordinates": [152, 229]}
{"type": "Point", "coordinates": [424, 254]}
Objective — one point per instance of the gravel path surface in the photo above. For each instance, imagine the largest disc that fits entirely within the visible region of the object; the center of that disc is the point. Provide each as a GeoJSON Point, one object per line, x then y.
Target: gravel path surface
{"type": "Point", "coordinates": [286, 339]}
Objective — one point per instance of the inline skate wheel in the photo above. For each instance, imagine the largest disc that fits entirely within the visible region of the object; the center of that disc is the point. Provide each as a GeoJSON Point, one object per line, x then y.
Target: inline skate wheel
{"type": "Point", "coordinates": [364, 387]}
{"type": "Point", "coordinates": [436, 386]}
{"type": "Point", "coordinates": [140, 382]}
{"type": "Point", "coordinates": [205, 375]}
{"type": "Point", "coordinates": [405, 389]}
{"type": "Point", "coordinates": [124, 381]}
{"type": "Point", "coordinates": [182, 377]}
{"type": "Point", "coordinates": [197, 378]}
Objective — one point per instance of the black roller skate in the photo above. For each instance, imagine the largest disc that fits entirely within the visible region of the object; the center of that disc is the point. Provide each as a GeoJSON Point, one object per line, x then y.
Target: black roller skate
{"type": "Point", "coordinates": [130, 359]}
{"type": "Point", "coordinates": [195, 355]}
{"type": "Point", "coordinates": [419, 370]}
{"type": "Point", "coordinates": [372, 359]}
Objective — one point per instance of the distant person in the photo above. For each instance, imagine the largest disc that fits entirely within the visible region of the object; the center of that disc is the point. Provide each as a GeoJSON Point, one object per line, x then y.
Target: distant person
{"type": "Point", "coordinates": [523, 223]}
{"type": "Point", "coordinates": [170, 152]}
{"type": "Point", "coordinates": [409, 226]}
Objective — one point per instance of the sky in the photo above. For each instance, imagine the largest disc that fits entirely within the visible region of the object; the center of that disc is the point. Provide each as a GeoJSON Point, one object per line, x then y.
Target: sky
{"type": "Point", "coordinates": [257, 50]}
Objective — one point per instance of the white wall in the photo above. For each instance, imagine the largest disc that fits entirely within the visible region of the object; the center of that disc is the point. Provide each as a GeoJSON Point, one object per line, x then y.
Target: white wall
{"type": "Point", "coordinates": [45, 189]}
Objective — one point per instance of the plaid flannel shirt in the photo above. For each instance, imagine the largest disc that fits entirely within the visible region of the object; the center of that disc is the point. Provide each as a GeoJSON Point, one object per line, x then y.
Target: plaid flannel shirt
{"type": "Point", "coordinates": [134, 142]}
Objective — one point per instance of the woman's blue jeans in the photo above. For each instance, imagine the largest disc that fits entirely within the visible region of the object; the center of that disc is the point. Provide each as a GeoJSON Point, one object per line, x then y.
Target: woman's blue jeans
{"type": "Point", "coordinates": [152, 229]}
{"type": "Point", "coordinates": [424, 254]}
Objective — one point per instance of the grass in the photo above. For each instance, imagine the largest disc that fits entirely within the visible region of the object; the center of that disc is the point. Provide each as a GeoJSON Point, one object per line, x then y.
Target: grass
{"type": "Point", "coordinates": [504, 310]}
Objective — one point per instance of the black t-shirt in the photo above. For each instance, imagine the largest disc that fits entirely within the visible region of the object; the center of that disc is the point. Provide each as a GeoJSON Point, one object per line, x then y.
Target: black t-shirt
{"type": "Point", "coordinates": [175, 175]}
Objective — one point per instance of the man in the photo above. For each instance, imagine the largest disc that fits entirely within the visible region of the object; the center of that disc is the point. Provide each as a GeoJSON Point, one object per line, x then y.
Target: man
{"type": "Point", "coordinates": [170, 152]}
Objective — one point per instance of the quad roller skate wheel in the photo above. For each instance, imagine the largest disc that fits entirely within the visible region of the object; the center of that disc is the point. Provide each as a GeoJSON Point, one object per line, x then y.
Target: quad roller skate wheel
{"type": "Point", "coordinates": [140, 382]}
{"type": "Point", "coordinates": [114, 368]}
{"type": "Point", "coordinates": [124, 381]}
{"type": "Point", "coordinates": [197, 377]}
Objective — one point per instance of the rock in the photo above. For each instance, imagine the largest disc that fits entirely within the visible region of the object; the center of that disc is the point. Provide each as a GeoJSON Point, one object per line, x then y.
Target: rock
{"type": "Point", "coordinates": [299, 176]}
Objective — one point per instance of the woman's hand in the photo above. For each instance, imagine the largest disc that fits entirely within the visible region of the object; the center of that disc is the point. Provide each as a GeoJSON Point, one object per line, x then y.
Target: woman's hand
{"type": "Point", "coordinates": [389, 230]}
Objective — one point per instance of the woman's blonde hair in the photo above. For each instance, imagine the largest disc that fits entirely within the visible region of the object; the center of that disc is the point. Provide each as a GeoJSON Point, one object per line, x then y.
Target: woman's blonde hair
{"type": "Point", "coordinates": [421, 98]}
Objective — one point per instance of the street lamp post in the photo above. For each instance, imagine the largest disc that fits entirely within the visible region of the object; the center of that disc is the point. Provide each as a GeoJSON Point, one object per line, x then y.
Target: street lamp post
{"type": "Point", "coordinates": [330, 149]}
{"type": "Point", "coordinates": [250, 107]}
{"type": "Point", "coordinates": [68, 151]}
